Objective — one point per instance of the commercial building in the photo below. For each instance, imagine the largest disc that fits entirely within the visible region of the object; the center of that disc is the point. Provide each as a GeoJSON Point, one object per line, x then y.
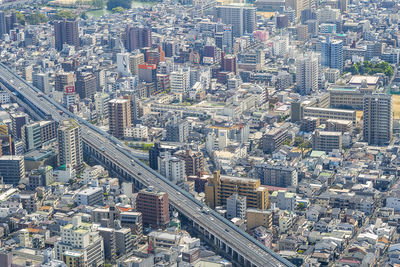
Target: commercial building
{"type": "Point", "coordinates": [219, 188]}
{"type": "Point", "coordinates": [134, 61]}
{"type": "Point", "coordinates": [18, 120]}
{"type": "Point", "coordinates": [154, 207]}
{"type": "Point", "coordinates": [86, 84]}
{"type": "Point", "coordinates": [41, 82]}
{"type": "Point", "coordinates": [37, 133]}
{"type": "Point", "coordinates": [242, 18]}
{"type": "Point", "coordinates": [80, 239]}
{"type": "Point", "coordinates": [66, 32]}
{"type": "Point", "coordinates": [120, 116]}
{"type": "Point", "coordinates": [326, 141]}
{"type": "Point", "coordinates": [63, 79]}
{"type": "Point", "coordinates": [90, 196]}
{"type": "Point", "coordinates": [70, 144]}
{"type": "Point", "coordinates": [12, 169]}
{"type": "Point", "coordinates": [276, 175]}
{"type": "Point", "coordinates": [377, 119]}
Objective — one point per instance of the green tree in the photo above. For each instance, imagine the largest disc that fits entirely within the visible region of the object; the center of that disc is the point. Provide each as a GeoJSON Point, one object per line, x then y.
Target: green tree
{"type": "Point", "coordinates": [36, 18]}
{"type": "Point", "coordinates": [117, 9]}
{"type": "Point", "coordinates": [64, 14]}
{"type": "Point", "coordinates": [20, 18]}
{"type": "Point", "coordinates": [126, 4]}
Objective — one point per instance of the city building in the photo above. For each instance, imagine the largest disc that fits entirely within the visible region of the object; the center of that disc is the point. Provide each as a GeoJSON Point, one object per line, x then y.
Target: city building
{"type": "Point", "coordinates": [90, 196]}
{"type": "Point", "coordinates": [219, 188]}
{"type": "Point", "coordinates": [177, 130]}
{"type": "Point", "coordinates": [18, 120]}
{"type": "Point", "coordinates": [63, 79]}
{"type": "Point", "coordinates": [242, 18]}
{"type": "Point", "coordinates": [41, 82]}
{"type": "Point", "coordinates": [194, 161]}
{"type": "Point", "coordinates": [332, 54]}
{"type": "Point", "coordinates": [80, 243]}
{"type": "Point", "coordinates": [256, 217]}
{"type": "Point", "coordinates": [307, 74]}
{"type": "Point", "coordinates": [327, 141]}
{"type": "Point", "coordinates": [284, 200]}
{"type": "Point", "coordinates": [154, 207]}
{"type": "Point", "coordinates": [66, 32]}
{"type": "Point", "coordinates": [12, 169]}
{"type": "Point", "coordinates": [70, 144]}
{"type": "Point", "coordinates": [273, 139]}
{"type": "Point", "coordinates": [236, 207]}
{"type": "Point", "coordinates": [377, 119]}
{"type": "Point", "coordinates": [137, 37]}
{"type": "Point", "coordinates": [119, 111]}
{"type": "Point", "coordinates": [276, 175]}
{"type": "Point", "coordinates": [173, 168]}
{"type": "Point", "coordinates": [85, 84]}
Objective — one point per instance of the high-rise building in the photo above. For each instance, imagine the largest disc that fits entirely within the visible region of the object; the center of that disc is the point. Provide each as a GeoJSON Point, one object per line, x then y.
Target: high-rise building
{"type": "Point", "coordinates": [3, 29]}
{"type": "Point", "coordinates": [41, 82]}
{"type": "Point", "coordinates": [70, 144]}
{"type": "Point", "coordinates": [173, 168]}
{"type": "Point", "coordinates": [307, 74]}
{"type": "Point", "coordinates": [154, 207]}
{"type": "Point", "coordinates": [101, 104]}
{"type": "Point", "coordinates": [86, 84]}
{"type": "Point", "coordinates": [276, 175]}
{"type": "Point", "coordinates": [18, 120]}
{"type": "Point", "coordinates": [147, 73]}
{"type": "Point", "coordinates": [134, 61]}
{"type": "Point", "coordinates": [63, 79]}
{"type": "Point", "coordinates": [194, 162]}
{"type": "Point", "coordinates": [236, 207]}
{"type": "Point", "coordinates": [180, 81]}
{"type": "Point", "coordinates": [242, 18]}
{"type": "Point", "coordinates": [120, 116]}
{"type": "Point", "coordinates": [177, 130]}
{"type": "Point", "coordinates": [82, 242]}
{"type": "Point", "coordinates": [137, 37]}
{"type": "Point", "coordinates": [220, 187]}
{"type": "Point", "coordinates": [124, 241]}
{"type": "Point", "coordinates": [12, 169]}
{"type": "Point", "coordinates": [66, 32]}
{"type": "Point", "coordinates": [332, 54]}
{"type": "Point", "coordinates": [110, 246]}
{"type": "Point", "coordinates": [377, 119]}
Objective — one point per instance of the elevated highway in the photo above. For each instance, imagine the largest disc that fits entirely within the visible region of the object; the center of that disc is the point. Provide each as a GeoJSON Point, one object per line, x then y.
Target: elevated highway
{"type": "Point", "coordinates": [229, 240]}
